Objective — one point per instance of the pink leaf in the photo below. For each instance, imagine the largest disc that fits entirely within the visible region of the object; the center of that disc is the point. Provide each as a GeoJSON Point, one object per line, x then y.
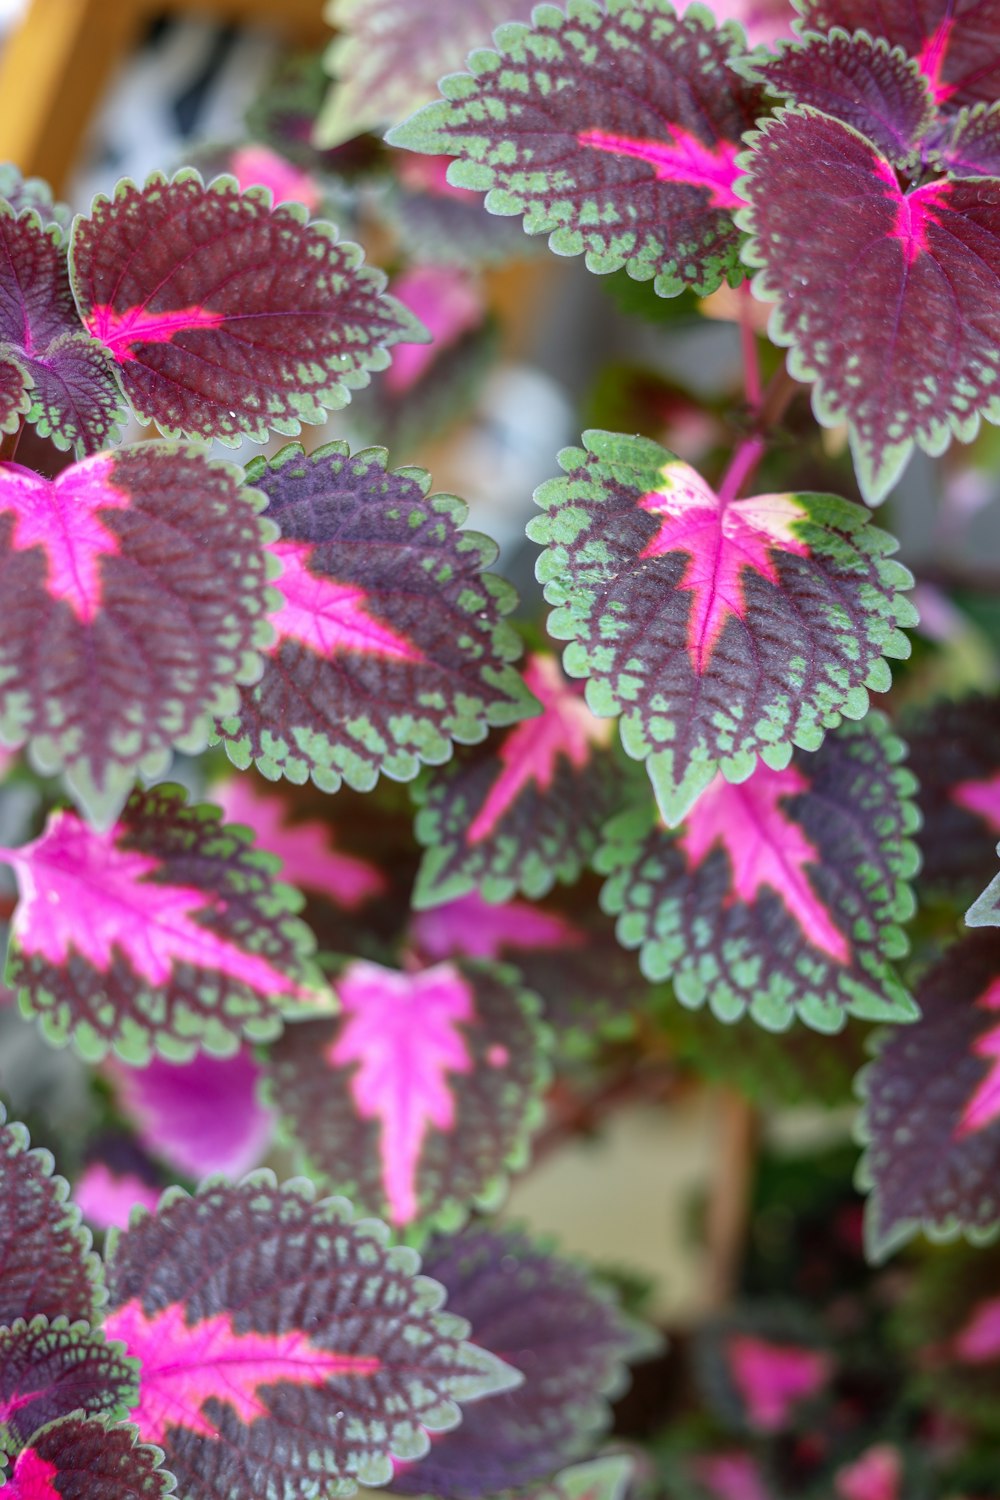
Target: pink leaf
{"type": "Point", "coordinates": [979, 1340]}
{"type": "Point", "coordinates": [448, 304]}
{"type": "Point", "coordinates": [775, 1378]}
{"type": "Point", "coordinates": [480, 929]}
{"type": "Point", "coordinates": [876, 1475]}
{"type": "Point", "coordinates": [106, 1198]}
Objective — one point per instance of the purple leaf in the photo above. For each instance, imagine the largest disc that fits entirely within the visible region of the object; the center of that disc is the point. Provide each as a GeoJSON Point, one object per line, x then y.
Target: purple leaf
{"type": "Point", "coordinates": [448, 226]}
{"type": "Point", "coordinates": [47, 1268]}
{"type": "Point", "coordinates": [932, 1107]}
{"type": "Point", "coordinates": [202, 1116]}
{"type": "Point", "coordinates": [390, 638]}
{"type": "Point", "coordinates": [66, 387]}
{"type": "Point", "coordinates": [781, 896]}
{"type": "Point", "coordinates": [616, 134]}
{"type": "Point", "coordinates": [389, 55]}
{"type": "Point", "coordinates": [568, 1337]}
{"type": "Point", "coordinates": [931, 254]}
{"type": "Point", "coordinates": [166, 931]}
{"type": "Point", "coordinates": [80, 1458]}
{"type": "Point", "coordinates": [134, 589]}
{"type": "Point", "coordinates": [955, 756]}
{"type": "Point", "coordinates": [972, 148]}
{"type": "Point", "coordinates": [422, 1095]}
{"type": "Point", "coordinates": [107, 1197]}
{"type": "Point", "coordinates": [225, 317]}
{"type": "Point", "coordinates": [526, 813]}
{"type": "Point", "coordinates": [956, 42]}
{"type": "Point", "coordinates": [49, 1371]}
{"type": "Point", "coordinates": [33, 192]}
{"type": "Point", "coordinates": [879, 92]}
{"type": "Point", "coordinates": [719, 631]}
{"type": "Point", "coordinates": [280, 1341]}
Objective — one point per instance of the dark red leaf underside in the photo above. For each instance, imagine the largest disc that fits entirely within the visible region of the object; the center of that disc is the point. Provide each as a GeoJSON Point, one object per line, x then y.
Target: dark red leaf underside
{"type": "Point", "coordinates": [566, 1335]}
{"type": "Point", "coordinates": [956, 42]}
{"type": "Point", "coordinates": [225, 317]}
{"type": "Point", "coordinates": [47, 1268]}
{"type": "Point", "coordinates": [282, 1344]}
{"type": "Point", "coordinates": [972, 148]}
{"type": "Point", "coordinates": [526, 812]}
{"type": "Point", "coordinates": [81, 1458]}
{"type": "Point", "coordinates": [49, 1371]}
{"type": "Point", "coordinates": [719, 632]}
{"type": "Point", "coordinates": [889, 301]}
{"type": "Point", "coordinates": [864, 83]}
{"type": "Point", "coordinates": [134, 593]}
{"type": "Point", "coordinates": [781, 896]}
{"type": "Point", "coordinates": [955, 756]}
{"type": "Point", "coordinates": [390, 639]}
{"type": "Point", "coordinates": [416, 1102]}
{"type": "Point", "coordinates": [169, 930]}
{"type": "Point", "coordinates": [615, 132]}
{"type": "Point", "coordinates": [932, 1106]}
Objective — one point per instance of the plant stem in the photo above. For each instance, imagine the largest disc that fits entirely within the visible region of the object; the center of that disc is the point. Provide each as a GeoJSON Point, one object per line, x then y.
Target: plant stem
{"type": "Point", "coordinates": [752, 384]}
{"type": "Point", "coordinates": [770, 409]}
{"type": "Point", "coordinates": [746, 458]}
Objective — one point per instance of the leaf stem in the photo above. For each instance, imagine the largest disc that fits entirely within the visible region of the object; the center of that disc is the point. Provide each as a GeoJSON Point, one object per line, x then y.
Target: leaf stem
{"type": "Point", "coordinates": [746, 458]}
{"type": "Point", "coordinates": [752, 383]}
{"type": "Point", "coordinates": [751, 449]}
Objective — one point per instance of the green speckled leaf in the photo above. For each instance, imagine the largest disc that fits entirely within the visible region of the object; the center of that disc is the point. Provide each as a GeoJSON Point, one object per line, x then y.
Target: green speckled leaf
{"type": "Point", "coordinates": [50, 1370]}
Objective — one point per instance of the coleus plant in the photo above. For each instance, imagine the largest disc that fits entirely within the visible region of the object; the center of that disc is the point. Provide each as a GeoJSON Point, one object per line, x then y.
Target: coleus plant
{"type": "Point", "coordinates": [401, 995]}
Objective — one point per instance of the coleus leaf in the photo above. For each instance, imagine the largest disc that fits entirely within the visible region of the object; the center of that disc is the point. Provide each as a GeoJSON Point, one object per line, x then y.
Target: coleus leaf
{"type": "Point", "coordinates": [614, 131]}
{"type": "Point", "coordinates": [955, 756]}
{"type": "Point", "coordinates": [282, 1344]}
{"type": "Point", "coordinates": [390, 638]}
{"type": "Point", "coordinates": [931, 1117]}
{"type": "Point", "coordinates": [525, 813]}
{"type": "Point", "coordinates": [605, 1478]}
{"type": "Point", "coordinates": [877, 1474]}
{"type": "Point", "coordinates": [781, 896]}
{"type": "Point", "coordinates": [985, 910]}
{"type": "Point", "coordinates": [552, 1322]}
{"type": "Point", "coordinates": [955, 42]}
{"type": "Point", "coordinates": [444, 225]}
{"type": "Point", "coordinates": [972, 146]}
{"type": "Point", "coordinates": [930, 253]}
{"type": "Point", "coordinates": [108, 1197]}
{"type": "Point", "coordinates": [134, 587]}
{"type": "Point", "coordinates": [167, 931]}
{"type": "Point", "coordinates": [33, 192]}
{"type": "Point", "coordinates": [226, 317]}
{"type": "Point", "coordinates": [50, 1370]}
{"type": "Point", "coordinates": [80, 1458]}
{"type": "Point", "coordinates": [389, 54]}
{"type": "Point", "coordinates": [760, 1372]}
{"type": "Point", "coordinates": [51, 370]}
{"type": "Point", "coordinates": [47, 1267]}
{"type": "Point", "coordinates": [720, 631]}
{"type": "Point", "coordinates": [417, 1100]}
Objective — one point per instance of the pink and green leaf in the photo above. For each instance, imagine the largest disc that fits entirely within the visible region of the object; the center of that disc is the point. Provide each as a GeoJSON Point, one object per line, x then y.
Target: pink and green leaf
{"type": "Point", "coordinates": [280, 1340]}
{"type": "Point", "coordinates": [47, 1268]}
{"type": "Point", "coordinates": [931, 1118]}
{"type": "Point", "coordinates": [719, 632]}
{"type": "Point", "coordinates": [525, 812]}
{"type": "Point", "coordinates": [50, 1370]}
{"type": "Point", "coordinates": [79, 1458]}
{"type": "Point", "coordinates": [420, 1098]}
{"type": "Point", "coordinates": [955, 756]}
{"type": "Point", "coordinates": [390, 639]}
{"type": "Point", "coordinates": [782, 896]}
{"type": "Point", "coordinates": [135, 594]}
{"type": "Point", "coordinates": [614, 131]}
{"type": "Point", "coordinates": [168, 931]}
{"type": "Point", "coordinates": [224, 317]}
{"type": "Point", "coordinates": [930, 254]}
{"type": "Point", "coordinates": [564, 1332]}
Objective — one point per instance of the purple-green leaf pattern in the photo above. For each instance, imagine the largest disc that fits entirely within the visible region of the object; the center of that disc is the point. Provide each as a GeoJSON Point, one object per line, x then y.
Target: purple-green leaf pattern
{"type": "Point", "coordinates": [955, 756]}
{"type": "Point", "coordinates": [50, 1370]}
{"type": "Point", "coordinates": [420, 1098]}
{"type": "Point", "coordinates": [168, 931]}
{"type": "Point", "coordinates": [33, 192]}
{"type": "Point", "coordinates": [82, 1458]}
{"type": "Point", "coordinates": [719, 631]}
{"type": "Point", "coordinates": [281, 1340]}
{"type": "Point", "coordinates": [782, 896]}
{"type": "Point", "coordinates": [134, 588]}
{"type": "Point", "coordinates": [227, 318]}
{"type": "Point", "coordinates": [613, 130]}
{"type": "Point", "coordinates": [972, 146]}
{"type": "Point", "coordinates": [390, 638]}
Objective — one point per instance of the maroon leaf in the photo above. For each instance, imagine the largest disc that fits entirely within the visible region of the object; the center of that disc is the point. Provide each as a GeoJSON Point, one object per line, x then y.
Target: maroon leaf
{"type": "Point", "coordinates": [225, 317]}
{"type": "Point", "coordinates": [134, 590]}
{"type": "Point", "coordinates": [81, 1458]}
{"type": "Point", "coordinates": [932, 1107]}
{"type": "Point", "coordinates": [33, 192]}
{"type": "Point", "coordinates": [929, 254]}
{"type": "Point", "coordinates": [525, 813]}
{"type": "Point", "coordinates": [955, 756]}
{"type": "Point", "coordinates": [972, 148]}
{"type": "Point", "coordinates": [390, 638]}
{"type": "Point", "coordinates": [168, 931]}
{"type": "Point", "coordinates": [47, 1268]}
{"type": "Point", "coordinates": [721, 630]}
{"type": "Point", "coordinates": [52, 1370]}
{"type": "Point", "coordinates": [564, 1333]}
{"type": "Point", "coordinates": [864, 83]}
{"type": "Point", "coordinates": [615, 133]}
{"type": "Point", "coordinates": [782, 895]}
{"type": "Point", "coordinates": [280, 1341]}
{"type": "Point", "coordinates": [955, 42]}
{"type": "Point", "coordinates": [417, 1101]}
